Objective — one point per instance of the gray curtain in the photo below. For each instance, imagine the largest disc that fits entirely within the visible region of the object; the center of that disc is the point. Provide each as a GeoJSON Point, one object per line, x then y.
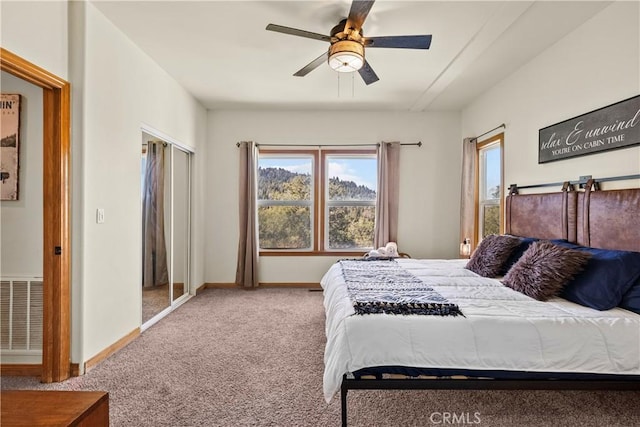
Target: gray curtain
{"type": "Point", "coordinates": [154, 248]}
{"type": "Point", "coordinates": [386, 222]}
{"type": "Point", "coordinates": [468, 190]}
{"type": "Point", "coordinates": [247, 267]}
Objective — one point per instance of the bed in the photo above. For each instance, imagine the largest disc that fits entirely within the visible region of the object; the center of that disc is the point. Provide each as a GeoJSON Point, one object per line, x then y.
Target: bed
{"type": "Point", "coordinates": [552, 344]}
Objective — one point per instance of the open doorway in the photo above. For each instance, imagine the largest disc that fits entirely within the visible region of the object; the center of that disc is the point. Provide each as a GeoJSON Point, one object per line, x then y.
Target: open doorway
{"type": "Point", "coordinates": [165, 204]}
{"type": "Point", "coordinates": [56, 262]}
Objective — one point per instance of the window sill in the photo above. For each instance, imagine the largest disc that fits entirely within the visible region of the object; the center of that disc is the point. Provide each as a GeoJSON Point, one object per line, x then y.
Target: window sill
{"type": "Point", "coordinates": [358, 254]}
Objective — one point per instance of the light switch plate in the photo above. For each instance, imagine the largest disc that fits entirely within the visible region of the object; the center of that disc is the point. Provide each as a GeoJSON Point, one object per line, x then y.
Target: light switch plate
{"type": "Point", "coordinates": [100, 216]}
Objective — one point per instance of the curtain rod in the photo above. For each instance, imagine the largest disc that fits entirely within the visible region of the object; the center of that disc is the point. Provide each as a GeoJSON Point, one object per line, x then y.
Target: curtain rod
{"type": "Point", "coordinates": [489, 131]}
{"type": "Point", "coordinates": [580, 181]}
{"type": "Point", "coordinates": [419, 144]}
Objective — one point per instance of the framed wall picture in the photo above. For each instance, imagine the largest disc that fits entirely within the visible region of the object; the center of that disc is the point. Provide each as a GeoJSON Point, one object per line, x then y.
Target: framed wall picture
{"type": "Point", "coordinates": [9, 146]}
{"type": "Point", "coordinates": [608, 128]}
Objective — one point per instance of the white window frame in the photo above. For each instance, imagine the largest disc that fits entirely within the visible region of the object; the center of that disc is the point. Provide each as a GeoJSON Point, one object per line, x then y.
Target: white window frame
{"type": "Point", "coordinates": [481, 188]}
{"type": "Point", "coordinates": [280, 154]}
{"type": "Point", "coordinates": [341, 154]}
{"type": "Point", "coordinates": [319, 203]}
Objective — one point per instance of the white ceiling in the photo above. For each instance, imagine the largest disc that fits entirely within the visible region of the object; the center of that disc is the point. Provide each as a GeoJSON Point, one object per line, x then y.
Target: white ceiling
{"type": "Point", "coordinates": [222, 54]}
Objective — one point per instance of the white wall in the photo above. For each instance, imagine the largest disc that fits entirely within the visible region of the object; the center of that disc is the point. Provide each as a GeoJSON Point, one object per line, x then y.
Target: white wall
{"type": "Point", "coordinates": [594, 66]}
{"type": "Point", "coordinates": [22, 227]}
{"type": "Point", "coordinates": [36, 31]}
{"type": "Point", "coordinates": [115, 89]}
{"type": "Point", "coordinates": [429, 180]}
{"type": "Point", "coordinates": [120, 89]}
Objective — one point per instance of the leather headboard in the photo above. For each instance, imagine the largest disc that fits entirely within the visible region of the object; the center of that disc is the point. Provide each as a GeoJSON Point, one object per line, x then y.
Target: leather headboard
{"type": "Point", "coordinates": [601, 219]}
{"type": "Point", "coordinates": [609, 219]}
{"type": "Point", "coordinates": [544, 216]}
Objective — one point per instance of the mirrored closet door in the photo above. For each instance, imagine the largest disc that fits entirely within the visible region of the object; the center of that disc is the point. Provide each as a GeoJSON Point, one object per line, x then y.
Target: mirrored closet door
{"type": "Point", "coordinates": [181, 215]}
{"type": "Point", "coordinates": [165, 178]}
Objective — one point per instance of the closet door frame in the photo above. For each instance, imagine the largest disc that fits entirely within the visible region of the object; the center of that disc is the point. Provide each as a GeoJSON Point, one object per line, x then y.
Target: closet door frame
{"type": "Point", "coordinates": [187, 285]}
{"type": "Point", "coordinates": [173, 145]}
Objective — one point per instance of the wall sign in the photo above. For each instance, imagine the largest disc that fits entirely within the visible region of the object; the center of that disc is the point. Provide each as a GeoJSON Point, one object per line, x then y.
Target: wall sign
{"type": "Point", "coordinates": [9, 146]}
{"type": "Point", "coordinates": [607, 128]}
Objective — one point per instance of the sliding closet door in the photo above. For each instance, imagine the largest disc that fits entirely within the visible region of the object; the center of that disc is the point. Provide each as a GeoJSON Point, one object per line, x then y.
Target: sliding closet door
{"type": "Point", "coordinates": [156, 227]}
{"type": "Point", "coordinates": [181, 224]}
{"type": "Point", "coordinates": [166, 199]}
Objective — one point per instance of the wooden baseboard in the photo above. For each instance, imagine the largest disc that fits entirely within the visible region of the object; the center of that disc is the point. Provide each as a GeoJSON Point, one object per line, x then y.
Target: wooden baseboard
{"type": "Point", "coordinates": [21, 370]}
{"type": "Point", "coordinates": [75, 370]}
{"type": "Point", "coordinates": [311, 285]}
{"type": "Point", "coordinates": [219, 286]}
{"type": "Point", "coordinates": [121, 343]}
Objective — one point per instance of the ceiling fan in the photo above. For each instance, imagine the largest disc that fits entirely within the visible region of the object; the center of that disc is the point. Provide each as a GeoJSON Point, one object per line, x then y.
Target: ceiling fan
{"type": "Point", "coordinates": [346, 52]}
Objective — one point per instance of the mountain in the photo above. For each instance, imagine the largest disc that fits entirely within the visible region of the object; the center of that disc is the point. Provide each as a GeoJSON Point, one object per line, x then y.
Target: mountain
{"type": "Point", "coordinates": [275, 182]}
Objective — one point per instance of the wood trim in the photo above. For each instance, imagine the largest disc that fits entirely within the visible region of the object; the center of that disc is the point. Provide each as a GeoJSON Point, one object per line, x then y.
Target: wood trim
{"type": "Point", "coordinates": [220, 286]}
{"type": "Point", "coordinates": [21, 370]}
{"type": "Point", "coordinates": [55, 407]}
{"type": "Point", "coordinates": [113, 348]}
{"type": "Point", "coordinates": [74, 370]}
{"type": "Point", "coordinates": [56, 212]}
{"type": "Point", "coordinates": [302, 285]}
{"type": "Point", "coordinates": [313, 285]}
{"type": "Point", "coordinates": [313, 253]}
{"type": "Point", "coordinates": [25, 70]}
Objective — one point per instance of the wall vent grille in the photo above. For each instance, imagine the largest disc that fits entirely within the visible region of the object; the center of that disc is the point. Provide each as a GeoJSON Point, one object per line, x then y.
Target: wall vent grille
{"type": "Point", "coordinates": [21, 304]}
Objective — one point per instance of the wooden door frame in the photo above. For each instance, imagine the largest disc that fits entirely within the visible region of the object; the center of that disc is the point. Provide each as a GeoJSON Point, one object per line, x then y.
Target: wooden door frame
{"type": "Point", "coordinates": [56, 143]}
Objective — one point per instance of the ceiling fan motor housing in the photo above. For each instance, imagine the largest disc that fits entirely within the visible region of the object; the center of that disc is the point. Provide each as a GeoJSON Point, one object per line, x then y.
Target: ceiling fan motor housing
{"type": "Point", "coordinates": [346, 56]}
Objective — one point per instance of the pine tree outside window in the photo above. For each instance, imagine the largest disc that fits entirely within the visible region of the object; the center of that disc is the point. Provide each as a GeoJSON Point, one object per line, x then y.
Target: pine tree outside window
{"type": "Point", "coordinates": [314, 202]}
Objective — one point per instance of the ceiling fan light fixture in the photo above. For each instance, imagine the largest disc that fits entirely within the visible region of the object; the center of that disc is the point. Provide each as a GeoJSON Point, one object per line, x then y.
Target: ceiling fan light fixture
{"type": "Point", "coordinates": [346, 56]}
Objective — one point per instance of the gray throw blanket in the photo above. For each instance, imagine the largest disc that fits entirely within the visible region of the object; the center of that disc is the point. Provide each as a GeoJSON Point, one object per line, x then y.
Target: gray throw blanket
{"type": "Point", "coordinates": [386, 287]}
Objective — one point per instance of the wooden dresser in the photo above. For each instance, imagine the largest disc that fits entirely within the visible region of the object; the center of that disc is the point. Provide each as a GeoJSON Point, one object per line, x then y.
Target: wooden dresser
{"type": "Point", "coordinates": [54, 408]}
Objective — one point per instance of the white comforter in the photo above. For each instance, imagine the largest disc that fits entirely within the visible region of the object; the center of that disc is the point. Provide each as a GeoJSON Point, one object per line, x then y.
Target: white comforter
{"type": "Point", "coordinates": [501, 330]}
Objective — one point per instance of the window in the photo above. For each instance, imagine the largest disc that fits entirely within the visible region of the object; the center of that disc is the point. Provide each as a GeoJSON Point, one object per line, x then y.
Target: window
{"type": "Point", "coordinates": [316, 201]}
{"type": "Point", "coordinates": [350, 195]}
{"type": "Point", "coordinates": [489, 212]}
{"type": "Point", "coordinates": [285, 201]}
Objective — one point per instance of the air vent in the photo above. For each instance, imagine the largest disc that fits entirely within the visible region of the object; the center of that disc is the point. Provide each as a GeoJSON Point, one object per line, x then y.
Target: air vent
{"type": "Point", "coordinates": [21, 315]}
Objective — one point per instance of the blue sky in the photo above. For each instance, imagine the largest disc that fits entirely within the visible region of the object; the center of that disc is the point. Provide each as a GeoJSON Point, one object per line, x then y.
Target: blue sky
{"type": "Point", "coordinates": [361, 171]}
{"type": "Point", "coordinates": [493, 168]}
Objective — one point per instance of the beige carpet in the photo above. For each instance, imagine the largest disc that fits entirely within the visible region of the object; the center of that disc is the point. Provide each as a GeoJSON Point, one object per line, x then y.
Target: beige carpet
{"type": "Point", "coordinates": [254, 358]}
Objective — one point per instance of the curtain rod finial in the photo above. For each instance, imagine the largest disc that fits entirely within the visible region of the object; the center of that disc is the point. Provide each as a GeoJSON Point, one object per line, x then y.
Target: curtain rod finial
{"type": "Point", "coordinates": [237, 144]}
{"type": "Point", "coordinates": [419, 143]}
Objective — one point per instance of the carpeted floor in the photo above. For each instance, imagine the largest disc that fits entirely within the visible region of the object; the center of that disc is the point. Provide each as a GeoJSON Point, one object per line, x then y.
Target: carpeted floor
{"type": "Point", "coordinates": [254, 358]}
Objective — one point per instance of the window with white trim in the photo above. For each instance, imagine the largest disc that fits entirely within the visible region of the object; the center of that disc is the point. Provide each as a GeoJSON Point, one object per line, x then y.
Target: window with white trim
{"type": "Point", "coordinates": [489, 212]}
{"type": "Point", "coordinates": [316, 201]}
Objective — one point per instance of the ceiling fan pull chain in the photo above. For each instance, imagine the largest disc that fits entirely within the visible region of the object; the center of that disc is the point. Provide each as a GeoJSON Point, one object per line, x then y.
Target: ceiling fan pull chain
{"type": "Point", "coordinates": [353, 84]}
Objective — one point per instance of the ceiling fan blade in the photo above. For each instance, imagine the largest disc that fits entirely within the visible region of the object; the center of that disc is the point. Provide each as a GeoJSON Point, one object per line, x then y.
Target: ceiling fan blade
{"type": "Point", "coordinates": [368, 75]}
{"type": "Point", "coordinates": [358, 13]}
{"type": "Point", "coordinates": [312, 65]}
{"type": "Point", "coordinates": [405, 42]}
{"type": "Point", "coordinates": [296, 32]}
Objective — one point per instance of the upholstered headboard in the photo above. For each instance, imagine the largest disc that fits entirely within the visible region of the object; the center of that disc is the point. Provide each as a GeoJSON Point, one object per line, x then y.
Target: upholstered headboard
{"type": "Point", "coordinates": [608, 219]}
